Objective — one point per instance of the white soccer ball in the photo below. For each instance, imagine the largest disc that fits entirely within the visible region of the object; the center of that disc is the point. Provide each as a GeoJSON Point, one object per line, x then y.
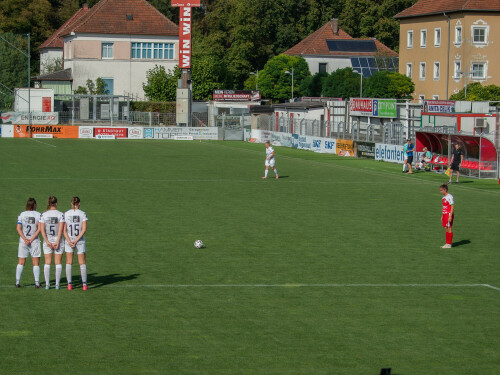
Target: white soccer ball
{"type": "Point", "coordinates": [198, 244]}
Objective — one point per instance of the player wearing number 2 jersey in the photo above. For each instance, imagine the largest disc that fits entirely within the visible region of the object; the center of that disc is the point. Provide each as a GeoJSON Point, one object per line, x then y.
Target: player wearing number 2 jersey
{"type": "Point", "coordinates": [76, 226]}
{"type": "Point", "coordinates": [448, 215]}
{"type": "Point", "coordinates": [28, 228]}
{"type": "Point", "coordinates": [52, 225]}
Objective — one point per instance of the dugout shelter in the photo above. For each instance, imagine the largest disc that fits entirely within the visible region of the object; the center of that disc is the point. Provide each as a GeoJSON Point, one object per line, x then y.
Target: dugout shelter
{"type": "Point", "coordinates": [480, 154]}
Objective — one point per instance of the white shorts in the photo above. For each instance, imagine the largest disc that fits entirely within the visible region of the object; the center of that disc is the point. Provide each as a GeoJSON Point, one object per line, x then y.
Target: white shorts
{"type": "Point", "coordinates": [270, 163]}
{"type": "Point", "coordinates": [32, 249]}
{"type": "Point", "coordinates": [49, 250]}
{"type": "Point", "coordinates": [80, 248]}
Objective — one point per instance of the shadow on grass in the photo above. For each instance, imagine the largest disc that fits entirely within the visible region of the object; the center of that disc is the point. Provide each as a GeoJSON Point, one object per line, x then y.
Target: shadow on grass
{"type": "Point", "coordinates": [280, 177]}
{"type": "Point", "coordinates": [461, 243]}
{"type": "Point", "coordinates": [97, 281]}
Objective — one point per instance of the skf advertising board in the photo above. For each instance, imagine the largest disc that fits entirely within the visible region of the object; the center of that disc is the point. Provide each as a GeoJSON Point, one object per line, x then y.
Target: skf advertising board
{"type": "Point", "coordinates": [57, 131]}
{"type": "Point", "coordinates": [373, 108]}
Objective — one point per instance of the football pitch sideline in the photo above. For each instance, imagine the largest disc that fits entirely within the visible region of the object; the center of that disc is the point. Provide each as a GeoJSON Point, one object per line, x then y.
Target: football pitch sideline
{"type": "Point", "coordinates": [334, 268]}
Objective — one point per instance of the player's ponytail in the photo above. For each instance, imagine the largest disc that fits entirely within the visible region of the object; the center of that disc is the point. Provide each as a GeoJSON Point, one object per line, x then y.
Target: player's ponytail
{"type": "Point", "coordinates": [51, 202]}
{"type": "Point", "coordinates": [30, 204]}
{"type": "Point", "coordinates": [75, 201]}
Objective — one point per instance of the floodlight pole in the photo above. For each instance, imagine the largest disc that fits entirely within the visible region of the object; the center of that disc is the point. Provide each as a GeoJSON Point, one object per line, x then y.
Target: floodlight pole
{"type": "Point", "coordinates": [288, 72]}
{"type": "Point", "coordinates": [256, 79]}
{"type": "Point", "coordinates": [29, 84]}
{"type": "Point", "coordinates": [361, 79]}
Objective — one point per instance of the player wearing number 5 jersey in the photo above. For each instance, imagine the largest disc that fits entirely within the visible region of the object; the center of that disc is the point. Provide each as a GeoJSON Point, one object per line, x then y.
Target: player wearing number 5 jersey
{"type": "Point", "coordinates": [28, 228]}
{"type": "Point", "coordinates": [76, 226]}
{"type": "Point", "coordinates": [448, 215]}
{"type": "Point", "coordinates": [52, 225]}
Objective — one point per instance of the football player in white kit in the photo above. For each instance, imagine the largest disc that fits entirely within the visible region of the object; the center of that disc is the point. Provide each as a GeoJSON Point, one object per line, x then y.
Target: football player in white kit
{"type": "Point", "coordinates": [52, 226]}
{"type": "Point", "coordinates": [28, 227]}
{"type": "Point", "coordinates": [76, 226]}
{"type": "Point", "coordinates": [270, 162]}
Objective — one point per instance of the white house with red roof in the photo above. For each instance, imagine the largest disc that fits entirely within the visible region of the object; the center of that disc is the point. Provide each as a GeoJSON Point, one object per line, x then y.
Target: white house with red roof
{"type": "Point", "coordinates": [116, 40]}
{"type": "Point", "coordinates": [330, 48]}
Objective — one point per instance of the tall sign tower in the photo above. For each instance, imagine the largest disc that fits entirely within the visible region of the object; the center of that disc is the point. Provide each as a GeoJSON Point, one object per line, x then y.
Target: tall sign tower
{"type": "Point", "coordinates": [184, 87]}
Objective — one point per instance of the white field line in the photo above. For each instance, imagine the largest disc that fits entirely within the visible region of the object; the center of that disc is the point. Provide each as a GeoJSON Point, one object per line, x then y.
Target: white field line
{"type": "Point", "coordinates": [36, 140]}
{"type": "Point", "coordinates": [291, 285]}
{"type": "Point", "coordinates": [491, 287]}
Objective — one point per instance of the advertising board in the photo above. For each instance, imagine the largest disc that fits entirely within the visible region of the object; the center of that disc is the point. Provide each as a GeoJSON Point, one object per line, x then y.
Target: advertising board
{"type": "Point", "coordinates": [345, 147]}
{"type": "Point", "coordinates": [364, 150]}
{"type": "Point", "coordinates": [135, 133]}
{"type": "Point", "coordinates": [86, 132]}
{"type": "Point", "coordinates": [169, 132]}
{"type": "Point", "coordinates": [281, 139]}
{"type": "Point", "coordinates": [260, 136]}
{"type": "Point", "coordinates": [60, 131]}
{"type": "Point", "coordinates": [439, 106]}
{"type": "Point", "coordinates": [316, 144]}
{"type": "Point", "coordinates": [236, 95]}
{"type": "Point", "coordinates": [117, 132]}
{"type": "Point", "coordinates": [390, 153]}
{"type": "Point", "coordinates": [37, 118]}
{"type": "Point", "coordinates": [185, 37]}
{"type": "Point", "coordinates": [373, 107]}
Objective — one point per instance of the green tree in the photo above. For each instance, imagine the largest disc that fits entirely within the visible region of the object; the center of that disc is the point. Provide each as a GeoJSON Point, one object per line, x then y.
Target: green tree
{"type": "Point", "coordinates": [13, 67]}
{"type": "Point", "coordinates": [384, 84]}
{"type": "Point", "coordinates": [97, 88]}
{"type": "Point", "coordinates": [478, 92]}
{"type": "Point", "coordinates": [313, 85]}
{"type": "Point", "coordinates": [205, 77]}
{"type": "Point", "coordinates": [161, 85]}
{"type": "Point", "coordinates": [275, 84]}
{"type": "Point", "coordinates": [342, 83]}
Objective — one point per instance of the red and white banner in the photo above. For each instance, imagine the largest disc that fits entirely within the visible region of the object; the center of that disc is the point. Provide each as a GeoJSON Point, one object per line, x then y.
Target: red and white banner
{"type": "Point", "coordinates": [117, 132]}
{"type": "Point", "coordinates": [185, 37]}
{"type": "Point", "coordinates": [361, 107]}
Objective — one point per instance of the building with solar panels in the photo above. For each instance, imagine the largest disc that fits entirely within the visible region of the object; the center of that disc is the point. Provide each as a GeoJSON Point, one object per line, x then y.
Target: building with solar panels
{"type": "Point", "coordinates": [331, 48]}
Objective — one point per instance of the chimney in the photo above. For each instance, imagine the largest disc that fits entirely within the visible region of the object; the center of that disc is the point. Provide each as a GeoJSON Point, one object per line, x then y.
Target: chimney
{"type": "Point", "coordinates": [85, 6]}
{"type": "Point", "coordinates": [334, 23]}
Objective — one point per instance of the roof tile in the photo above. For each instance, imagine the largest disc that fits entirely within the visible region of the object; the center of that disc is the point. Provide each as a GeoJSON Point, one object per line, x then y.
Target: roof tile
{"type": "Point", "coordinates": [315, 44]}
{"type": "Point", "coordinates": [426, 7]}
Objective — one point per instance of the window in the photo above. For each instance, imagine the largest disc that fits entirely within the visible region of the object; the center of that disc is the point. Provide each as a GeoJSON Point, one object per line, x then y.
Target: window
{"type": "Point", "coordinates": [423, 38]}
{"type": "Point", "coordinates": [479, 35]}
{"type": "Point", "coordinates": [437, 37]}
{"type": "Point", "coordinates": [436, 70]}
{"type": "Point", "coordinates": [435, 97]}
{"type": "Point", "coordinates": [322, 68]}
{"type": "Point", "coordinates": [157, 51]}
{"type": "Point", "coordinates": [409, 70]}
{"type": "Point", "coordinates": [457, 69]}
{"type": "Point", "coordinates": [409, 39]}
{"type": "Point", "coordinates": [108, 85]}
{"type": "Point", "coordinates": [478, 70]}
{"type": "Point", "coordinates": [107, 50]}
{"type": "Point", "coordinates": [421, 97]}
{"type": "Point", "coordinates": [458, 34]}
{"type": "Point", "coordinates": [422, 70]}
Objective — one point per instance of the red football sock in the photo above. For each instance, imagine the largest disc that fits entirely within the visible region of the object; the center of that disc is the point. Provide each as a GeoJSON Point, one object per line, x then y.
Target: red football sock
{"type": "Point", "coordinates": [451, 237]}
{"type": "Point", "coordinates": [448, 239]}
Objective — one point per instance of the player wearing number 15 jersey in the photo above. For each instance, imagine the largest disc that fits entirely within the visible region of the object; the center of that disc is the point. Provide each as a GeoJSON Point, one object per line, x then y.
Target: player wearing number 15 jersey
{"type": "Point", "coordinates": [29, 244]}
{"type": "Point", "coordinates": [52, 225]}
{"type": "Point", "coordinates": [76, 226]}
{"type": "Point", "coordinates": [448, 215]}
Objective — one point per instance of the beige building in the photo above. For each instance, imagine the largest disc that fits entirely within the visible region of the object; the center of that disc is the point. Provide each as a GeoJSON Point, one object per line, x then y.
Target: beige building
{"type": "Point", "coordinates": [446, 44]}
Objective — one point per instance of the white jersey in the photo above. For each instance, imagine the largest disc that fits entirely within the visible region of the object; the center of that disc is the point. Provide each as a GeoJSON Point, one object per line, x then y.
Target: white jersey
{"type": "Point", "coordinates": [52, 219]}
{"type": "Point", "coordinates": [29, 222]}
{"type": "Point", "coordinates": [269, 152]}
{"type": "Point", "coordinates": [74, 220]}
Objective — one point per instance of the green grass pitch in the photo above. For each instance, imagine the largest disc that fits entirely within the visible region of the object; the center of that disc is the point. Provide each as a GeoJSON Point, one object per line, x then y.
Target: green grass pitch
{"type": "Point", "coordinates": [335, 268]}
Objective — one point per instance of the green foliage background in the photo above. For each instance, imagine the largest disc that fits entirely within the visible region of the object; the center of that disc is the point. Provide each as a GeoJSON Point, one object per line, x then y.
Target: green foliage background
{"type": "Point", "coordinates": [238, 35]}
